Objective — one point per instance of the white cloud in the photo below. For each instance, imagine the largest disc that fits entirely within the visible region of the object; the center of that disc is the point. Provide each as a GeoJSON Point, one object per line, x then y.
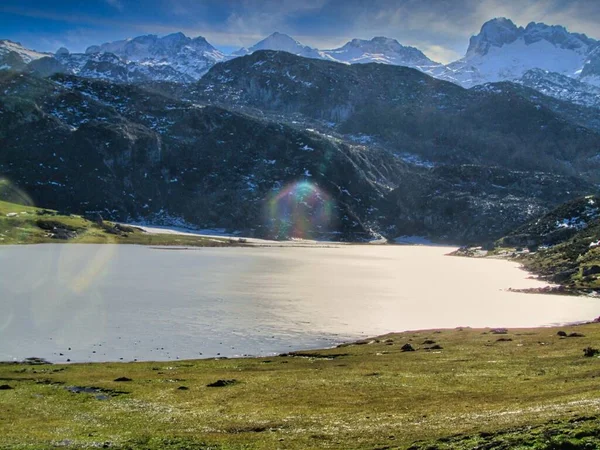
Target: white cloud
{"type": "Point", "coordinates": [440, 28]}
{"type": "Point", "coordinates": [438, 53]}
{"type": "Point", "coordinates": [115, 4]}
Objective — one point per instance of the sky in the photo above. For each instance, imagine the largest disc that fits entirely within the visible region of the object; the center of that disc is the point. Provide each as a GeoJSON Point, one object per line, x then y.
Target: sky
{"type": "Point", "coordinates": [440, 28]}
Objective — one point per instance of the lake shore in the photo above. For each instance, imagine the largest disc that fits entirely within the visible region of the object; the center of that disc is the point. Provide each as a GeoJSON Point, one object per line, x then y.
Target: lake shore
{"type": "Point", "coordinates": [448, 389]}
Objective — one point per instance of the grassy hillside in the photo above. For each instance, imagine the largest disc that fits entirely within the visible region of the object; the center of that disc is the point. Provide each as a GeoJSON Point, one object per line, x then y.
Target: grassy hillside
{"type": "Point", "coordinates": [574, 263]}
{"type": "Point", "coordinates": [459, 389]}
{"type": "Point", "coordinates": [21, 224]}
{"type": "Point", "coordinates": [564, 244]}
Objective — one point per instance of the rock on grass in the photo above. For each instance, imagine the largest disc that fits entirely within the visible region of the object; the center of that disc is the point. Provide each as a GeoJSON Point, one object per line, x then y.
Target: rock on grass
{"type": "Point", "coordinates": [223, 383]}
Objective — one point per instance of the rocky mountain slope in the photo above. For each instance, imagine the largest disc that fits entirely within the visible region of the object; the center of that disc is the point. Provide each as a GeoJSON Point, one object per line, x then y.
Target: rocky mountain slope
{"type": "Point", "coordinates": [89, 146]}
{"type": "Point", "coordinates": [207, 156]}
{"type": "Point", "coordinates": [564, 244]}
{"type": "Point", "coordinates": [562, 87]}
{"type": "Point", "coordinates": [408, 112]}
{"type": "Point", "coordinates": [13, 56]}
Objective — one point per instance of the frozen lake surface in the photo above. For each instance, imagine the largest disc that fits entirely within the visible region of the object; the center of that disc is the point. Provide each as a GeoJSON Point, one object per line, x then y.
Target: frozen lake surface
{"type": "Point", "coordinates": [113, 303]}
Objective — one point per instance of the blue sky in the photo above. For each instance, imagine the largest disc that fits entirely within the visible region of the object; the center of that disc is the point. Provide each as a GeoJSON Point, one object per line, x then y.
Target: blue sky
{"type": "Point", "coordinates": [440, 28]}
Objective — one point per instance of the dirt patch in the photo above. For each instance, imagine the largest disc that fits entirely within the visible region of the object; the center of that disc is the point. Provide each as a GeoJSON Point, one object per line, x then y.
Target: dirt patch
{"type": "Point", "coordinates": [98, 392]}
{"type": "Point", "coordinates": [223, 383]}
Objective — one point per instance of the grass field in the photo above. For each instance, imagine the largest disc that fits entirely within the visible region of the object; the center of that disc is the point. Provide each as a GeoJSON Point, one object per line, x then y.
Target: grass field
{"type": "Point", "coordinates": [523, 389]}
{"type": "Point", "coordinates": [30, 225]}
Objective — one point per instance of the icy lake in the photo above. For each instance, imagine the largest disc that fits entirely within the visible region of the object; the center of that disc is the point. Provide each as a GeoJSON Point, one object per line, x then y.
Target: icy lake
{"type": "Point", "coordinates": [113, 303]}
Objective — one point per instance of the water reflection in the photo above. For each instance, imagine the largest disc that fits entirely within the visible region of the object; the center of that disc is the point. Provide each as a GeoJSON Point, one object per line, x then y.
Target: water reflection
{"type": "Point", "coordinates": [99, 303]}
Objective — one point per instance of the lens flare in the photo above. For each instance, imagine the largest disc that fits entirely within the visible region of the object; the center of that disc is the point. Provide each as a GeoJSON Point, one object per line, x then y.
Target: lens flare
{"type": "Point", "coordinates": [301, 209]}
{"type": "Point", "coordinates": [11, 193]}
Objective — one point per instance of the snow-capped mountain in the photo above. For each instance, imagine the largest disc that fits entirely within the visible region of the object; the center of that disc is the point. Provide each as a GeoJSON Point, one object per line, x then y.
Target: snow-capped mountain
{"type": "Point", "coordinates": [281, 42]}
{"type": "Point", "coordinates": [188, 56]}
{"type": "Point", "coordinates": [562, 87]}
{"type": "Point", "coordinates": [381, 50]}
{"type": "Point", "coordinates": [14, 56]}
{"type": "Point", "coordinates": [108, 66]}
{"type": "Point", "coordinates": [504, 52]}
{"type": "Point", "coordinates": [556, 62]}
{"type": "Point", "coordinates": [357, 51]}
{"type": "Point", "coordinates": [174, 57]}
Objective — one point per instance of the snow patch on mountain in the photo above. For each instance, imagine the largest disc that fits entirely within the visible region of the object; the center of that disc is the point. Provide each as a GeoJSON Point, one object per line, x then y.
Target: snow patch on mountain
{"type": "Point", "coordinates": [27, 55]}
{"type": "Point", "coordinates": [562, 87]}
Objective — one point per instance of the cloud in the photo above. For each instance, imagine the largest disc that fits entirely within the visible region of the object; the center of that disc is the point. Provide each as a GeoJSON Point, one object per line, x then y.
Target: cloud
{"type": "Point", "coordinates": [115, 4]}
{"type": "Point", "coordinates": [438, 53]}
{"type": "Point", "coordinates": [440, 28]}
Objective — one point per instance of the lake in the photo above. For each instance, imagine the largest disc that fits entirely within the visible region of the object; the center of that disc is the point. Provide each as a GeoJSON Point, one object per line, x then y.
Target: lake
{"type": "Point", "coordinates": [121, 303]}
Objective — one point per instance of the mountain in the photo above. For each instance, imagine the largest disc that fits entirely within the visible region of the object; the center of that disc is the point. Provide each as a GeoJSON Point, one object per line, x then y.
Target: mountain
{"type": "Point", "coordinates": [408, 111]}
{"type": "Point", "coordinates": [281, 42]}
{"type": "Point", "coordinates": [562, 87]}
{"type": "Point", "coordinates": [358, 51]}
{"type": "Point", "coordinates": [567, 110]}
{"type": "Point", "coordinates": [502, 51]}
{"type": "Point", "coordinates": [380, 50]}
{"type": "Point", "coordinates": [277, 145]}
{"type": "Point", "coordinates": [564, 244]}
{"type": "Point", "coordinates": [188, 56]}
{"type": "Point", "coordinates": [175, 57]}
{"type": "Point", "coordinates": [550, 59]}
{"type": "Point", "coordinates": [110, 67]}
{"type": "Point", "coordinates": [232, 152]}
{"type": "Point", "coordinates": [14, 56]}
{"type": "Point", "coordinates": [89, 146]}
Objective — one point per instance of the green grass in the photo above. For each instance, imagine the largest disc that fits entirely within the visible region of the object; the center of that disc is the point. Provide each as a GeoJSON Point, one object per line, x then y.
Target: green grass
{"type": "Point", "coordinates": [532, 390]}
{"type": "Point", "coordinates": [33, 225]}
{"type": "Point", "coordinates": [565, 263]}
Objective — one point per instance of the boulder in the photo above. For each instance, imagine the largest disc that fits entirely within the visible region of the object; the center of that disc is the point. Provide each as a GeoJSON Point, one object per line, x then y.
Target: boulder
{"type": "Point", "coordinates": [222, 383]}
{"type": "Point", "coordinates": [591, 270]}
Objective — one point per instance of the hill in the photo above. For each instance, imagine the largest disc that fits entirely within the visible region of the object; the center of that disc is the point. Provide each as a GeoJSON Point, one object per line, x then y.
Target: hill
{"type": "Point", "coordinates": [565, 244]}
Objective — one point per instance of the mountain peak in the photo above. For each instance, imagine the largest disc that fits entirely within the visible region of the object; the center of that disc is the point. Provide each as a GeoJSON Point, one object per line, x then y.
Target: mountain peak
{"type": "Point", "coordinates": [494, 33]}
{"type": "Point", "coordinates": [27, 55]}
{"type": "Point", "coordinates": [175, 37]}
{"type": "Point", "coordinates": [502, 31]}
{"type": "Point", "coordinates": [281, 42]}
{"type": "Point", "coordinates": [557, 35]}
{"type": "Point", "coordinates": [380, 49]}
{"type": "Point", "coordinates": [281, 38]}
